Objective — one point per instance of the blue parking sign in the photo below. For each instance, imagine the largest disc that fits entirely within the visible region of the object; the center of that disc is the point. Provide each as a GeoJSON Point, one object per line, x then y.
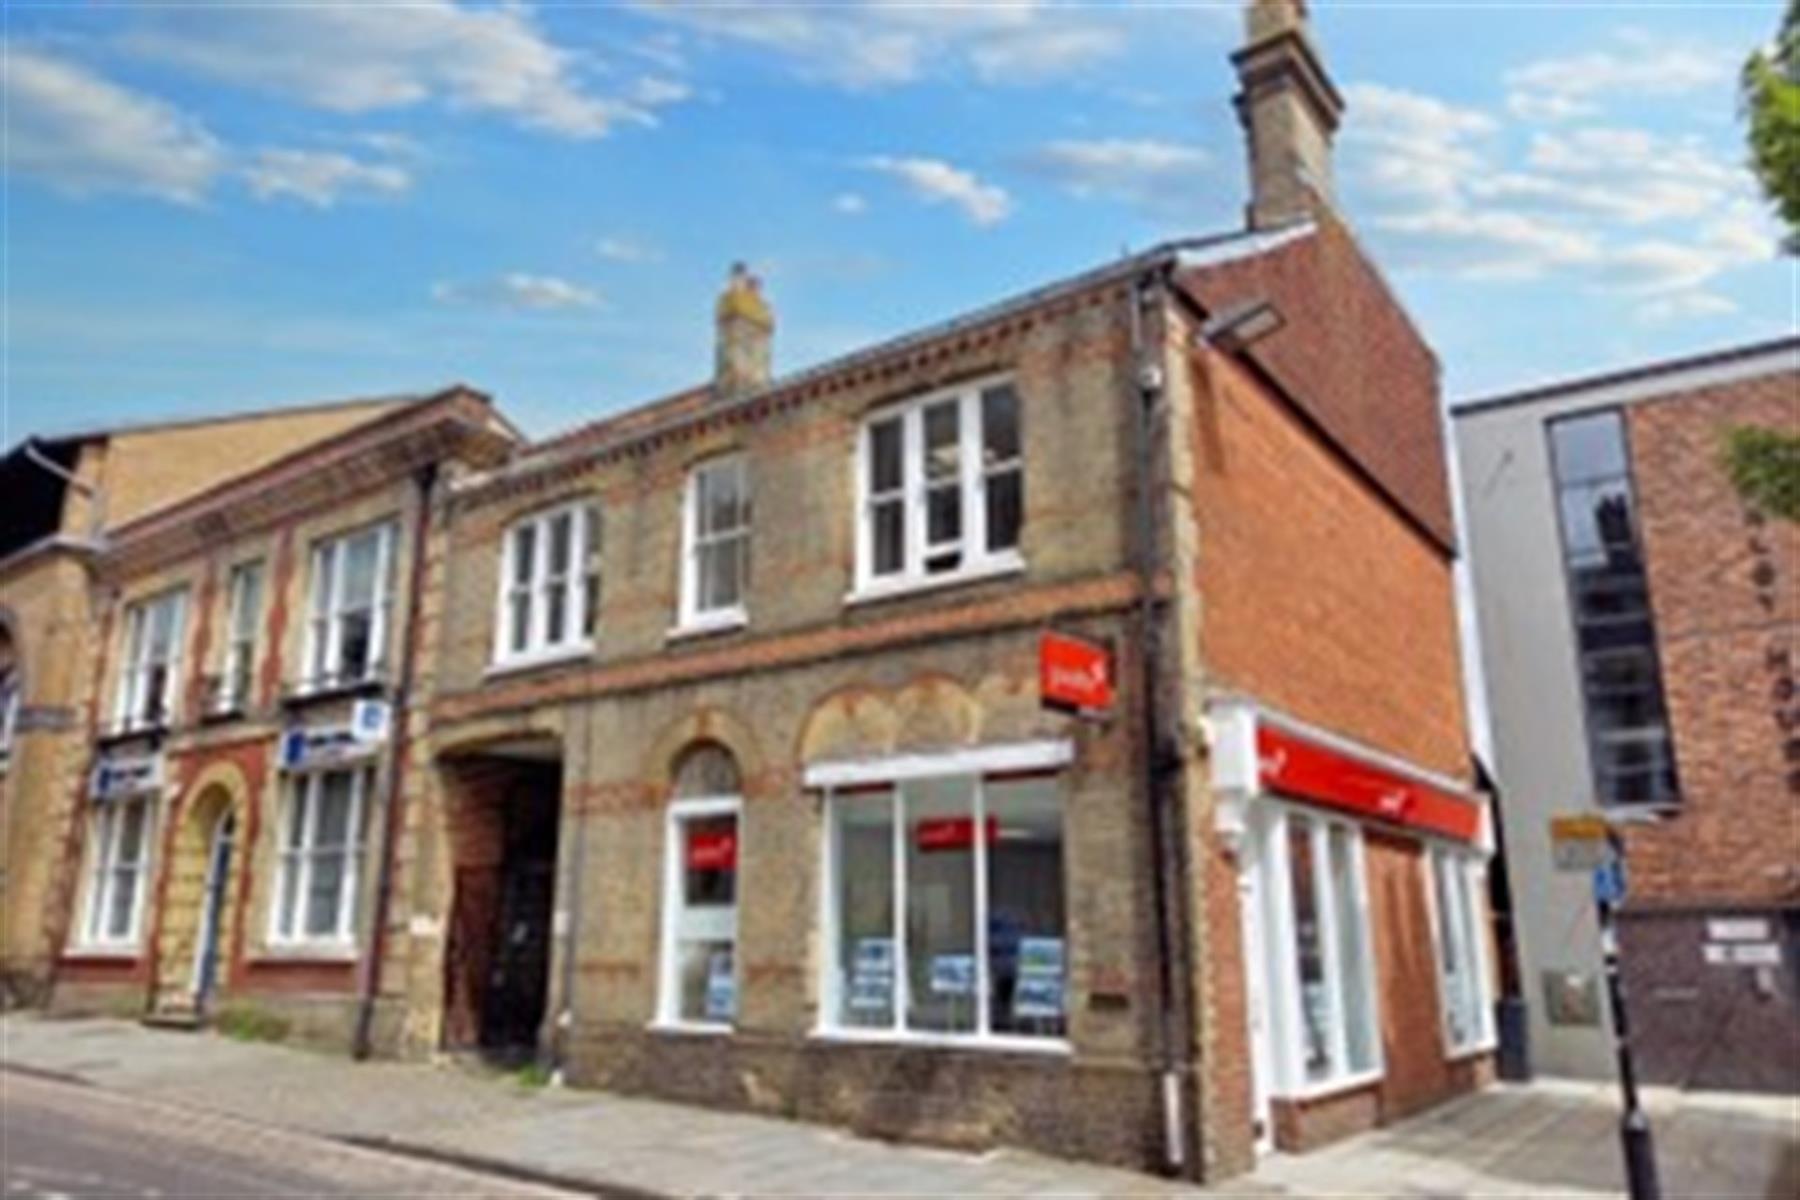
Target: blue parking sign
{"type": "Point", "coordinates": [1609, 882]}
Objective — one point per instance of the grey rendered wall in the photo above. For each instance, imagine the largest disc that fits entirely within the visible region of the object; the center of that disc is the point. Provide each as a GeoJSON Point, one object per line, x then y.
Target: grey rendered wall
{"type": "Point", "coordinates": [1534, 698]}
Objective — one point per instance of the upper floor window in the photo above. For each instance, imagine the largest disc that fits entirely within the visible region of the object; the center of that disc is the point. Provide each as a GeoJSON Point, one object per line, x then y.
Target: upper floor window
{"type": "Point", "coordinates": [350, 599]}
{"type": "Point", "coordinates": [715, 560]}
{"type": "Point", "coordinates": [1609, 595]}
{"type": "Point", "coordinates": [941, 488]}
{"type": "Point", "coordinates": [242, 615]}
{"type": "Point", "coordinates": [152, 665]}
{"type": "Point", "coordinates": [550, 584]}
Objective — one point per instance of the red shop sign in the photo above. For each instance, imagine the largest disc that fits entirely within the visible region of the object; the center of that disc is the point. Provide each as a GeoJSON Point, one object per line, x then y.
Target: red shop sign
{"type": "Point", "coordinates": [952, 833]}
{"type": "Point", "coordinates": [1291, 764]}
{"type": "Point", "coordinates": [1075, 675]}
{"type": "Point", "coordinates": [708, 851]}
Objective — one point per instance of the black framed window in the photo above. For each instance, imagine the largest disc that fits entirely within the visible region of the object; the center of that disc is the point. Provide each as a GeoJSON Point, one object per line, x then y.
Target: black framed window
{"type": "Point", "coordinates": [1609, 599]}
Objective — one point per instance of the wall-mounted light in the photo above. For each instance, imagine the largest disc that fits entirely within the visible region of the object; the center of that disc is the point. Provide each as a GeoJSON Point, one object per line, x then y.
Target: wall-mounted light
{"type": "Point", "coordinates": [1239, 327]}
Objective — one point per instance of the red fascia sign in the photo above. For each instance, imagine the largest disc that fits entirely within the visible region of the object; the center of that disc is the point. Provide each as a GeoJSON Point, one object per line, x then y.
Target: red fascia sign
{"type": "Point", "coordinates": [707, 851]}
{"type": "Point", "coordinates": [1293, 765]}
{"type": "Point", "coordinates": [952, 833]}
{"type": "Point", "coordinates": [1075, 675]}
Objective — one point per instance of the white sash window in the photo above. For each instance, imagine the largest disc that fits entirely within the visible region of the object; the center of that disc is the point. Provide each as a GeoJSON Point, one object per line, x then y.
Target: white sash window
{"type": "Point", "coordinates": [321, 845]}
{"type": "Point", "coordinates": [715, 559]}
{"type": "Point", "coordinates": [549, 585]}
{"type": "Point", "coordinates": [120, 836]}
{"type": "Point", "coordinates": [243, 615]}
{"type": "Point", "coordinates": [149, 678]}
{"type": "Point", "coordinates": [351, 598]}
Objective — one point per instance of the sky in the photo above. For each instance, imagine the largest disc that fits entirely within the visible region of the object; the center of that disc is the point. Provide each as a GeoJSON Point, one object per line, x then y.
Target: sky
{"type": "Point", "coordinates": [215, 206]}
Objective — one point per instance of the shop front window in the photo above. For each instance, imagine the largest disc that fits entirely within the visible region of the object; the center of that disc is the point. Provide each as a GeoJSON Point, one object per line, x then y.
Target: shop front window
{"type": "Point", "coordinates": [1462, 978]}
{"type": "Point", "coordinates": [946, 908]}
{"type": "Point", "coordinates": [1320, 970]}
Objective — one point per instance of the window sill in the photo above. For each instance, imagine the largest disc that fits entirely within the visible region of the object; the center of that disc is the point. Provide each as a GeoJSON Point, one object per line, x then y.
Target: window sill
{"type": "Point", "coordinates": [691, 1028]}
{"type": "Point", "coordinates": [1454, 1054]}
{"type": "Point", "coordinates": [711, 623]}
{"type": "Point", "coordinates": [1325, 1089]}
{"type": "Point", "coordinates": [1646, 811]}
{"type": "Point", "coordinates": [222, 714]}
{"type": "Point", "coordinates": [522, 663]}
{"type": "Point", "coordinates": [312, 692]}
{"type": "Point", "coordinates": [104, 952]}
{"type": "Point", "coordinates": [992, 1043]}
{"type": "Point", "coordinates": [997, 567]}
{"type": "Point", "coordinates": [130, 733]}
{"type": "Point", "coordinates": [331, 953]}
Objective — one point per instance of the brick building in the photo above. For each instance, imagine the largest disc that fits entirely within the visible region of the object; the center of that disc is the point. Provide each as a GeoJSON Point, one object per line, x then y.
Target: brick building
{"type": "Point", "coordinates": [726, 766]}
{"type": "Point", "coordinates": [62, 495]}
{"type": "Point", "coordinates": [1641, 629]}
{"type": "Point", "coordinates": [218, 836]}
{"type": "Point", "coordinates": [740, 787]}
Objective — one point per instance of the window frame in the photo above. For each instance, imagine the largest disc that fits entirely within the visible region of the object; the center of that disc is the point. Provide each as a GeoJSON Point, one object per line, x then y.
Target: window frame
{"type": "Point", "coordinates": [973, 474]}
{"type": "Point", "coordinates": [1281, 970]}
{"type": "Point", "coordinates": [345, 936]}
{"type": "Point", "coordinates": [12, 699]}
{"type": "Point", "coordinates": [828, 1025]}
{"type": "Point", "coordinates": [1469, 871]}
{"type": "Point", "coordinates": [326, 675]}
{"type": "Point", "coordinates": [690, 617]}
{"type": "Point", "coordinates": [580, 587]}
{"type": "Point", "coordinates": [1661, 736]}
{"type": "Point", "coordinates": [668, 973]}
{"type": "Point", "coordinates": [100, 876]}
{"type": "Point", "coordinates": [136, 663]}
{"type": "Point", "coordinates": [240, 651]}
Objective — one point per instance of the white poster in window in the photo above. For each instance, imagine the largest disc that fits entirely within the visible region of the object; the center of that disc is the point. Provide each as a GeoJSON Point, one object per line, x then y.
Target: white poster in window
{"type": "Point", "coordinates": [1038, 990]}
{"type": "Point", "coordinates": [953, 974]}
{"type": "Point", "coordinates": [721, 987]}
{"type": "Point", "coordinates": [872, 975]}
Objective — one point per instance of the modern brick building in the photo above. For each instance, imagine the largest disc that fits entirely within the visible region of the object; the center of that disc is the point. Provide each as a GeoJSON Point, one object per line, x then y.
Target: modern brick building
{"type": "Point", "coordinates": [1641, 635]}
{"type": "Point", "coordinates": [1043, 728]}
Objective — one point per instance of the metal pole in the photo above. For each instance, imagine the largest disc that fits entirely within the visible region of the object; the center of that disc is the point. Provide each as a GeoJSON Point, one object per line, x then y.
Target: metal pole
{"type": "Point", "coordinates": [1634, 1126]}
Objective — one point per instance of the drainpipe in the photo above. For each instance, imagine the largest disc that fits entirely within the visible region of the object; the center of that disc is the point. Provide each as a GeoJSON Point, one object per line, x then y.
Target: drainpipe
{"type": "Point", "coordinates": [370, 981]}
{"type": "Point", "coordinates": [1159, 761]}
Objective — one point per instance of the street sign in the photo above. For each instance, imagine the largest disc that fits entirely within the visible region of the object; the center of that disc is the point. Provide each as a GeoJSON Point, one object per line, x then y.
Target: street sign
{"type": "Point", "coordinates": [1579, 842]}
{"type": "Point", "coordinates": [1609, 882]}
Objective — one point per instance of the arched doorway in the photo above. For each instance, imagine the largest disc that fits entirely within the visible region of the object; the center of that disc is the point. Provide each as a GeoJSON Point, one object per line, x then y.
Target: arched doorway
{"type": "Point", "coordinates": [198, 902]}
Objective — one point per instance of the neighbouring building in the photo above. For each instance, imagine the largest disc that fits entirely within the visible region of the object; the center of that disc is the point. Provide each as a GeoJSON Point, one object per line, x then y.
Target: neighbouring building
{"type": "Point", "coordinates": [741, 785]}
{"type": "Point", "coordinates": [59, 496]}
{"type": "Point", "coordinates": [1640, 627]}
{"type": "Point", "coordinates": [224, 829]}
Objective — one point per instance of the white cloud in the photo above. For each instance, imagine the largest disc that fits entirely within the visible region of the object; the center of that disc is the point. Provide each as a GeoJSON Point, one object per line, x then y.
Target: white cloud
{"type": "Point", "coordinates": [850, 204]}
{"type": "Point", "coordinates": [82, 134]}
{"type": "Point", "coordinates": [321, 177]}
{"type": "Point", "coordinates": [626, 250]}
{"type": "Point", "coordinates": [881, 43]}
{"type": "Point", "coordinates": [1561, 88]}
{"type": "Point", "coordinates": [370, 57]}
{"type": "Point", "coordinates": [1685, 306]}
{"type": "Point", "coordinates": [519, 291]}
{"type": "Point", "coordinates": [937, 182]}
{"type": "Point", "coordinates": [1616, 210]}
{"type": "Point", "coordinates": [1156, 176]}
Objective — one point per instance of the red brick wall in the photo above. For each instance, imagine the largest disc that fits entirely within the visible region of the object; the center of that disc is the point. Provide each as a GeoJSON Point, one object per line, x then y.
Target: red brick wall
{"type": "Point", "coordinates": [1725, 589]}
{"type": "Point", "coordinates": [1317, 597]}
{"type": "Point", "coordinates": [1405, 976]}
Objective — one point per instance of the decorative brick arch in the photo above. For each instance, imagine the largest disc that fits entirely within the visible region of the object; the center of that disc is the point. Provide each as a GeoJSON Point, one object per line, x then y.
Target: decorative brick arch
{"type": "Point", "coordinates": [218, 793]}
{"type": "Point", "coordinates": [714, 725]}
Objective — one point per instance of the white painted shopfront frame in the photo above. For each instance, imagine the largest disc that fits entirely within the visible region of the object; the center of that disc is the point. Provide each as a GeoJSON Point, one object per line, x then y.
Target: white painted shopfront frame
{"type": "Point", "coordinates": [681, 813]}
{"type": "Point", "coordinates": [1471, 871]}
{"type": "Point", "coordinates": [1268, 847]}
{"type": "Point", "coordinates": [892, 772]}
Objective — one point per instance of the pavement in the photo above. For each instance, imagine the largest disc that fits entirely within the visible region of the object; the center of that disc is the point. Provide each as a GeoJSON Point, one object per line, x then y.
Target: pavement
{"type": "Point", "coordinates": [1545, 1139]}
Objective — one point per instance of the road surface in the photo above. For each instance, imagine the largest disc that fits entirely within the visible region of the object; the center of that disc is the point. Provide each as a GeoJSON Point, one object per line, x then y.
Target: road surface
{"type": "Point", "coordinates": [61, 1141]}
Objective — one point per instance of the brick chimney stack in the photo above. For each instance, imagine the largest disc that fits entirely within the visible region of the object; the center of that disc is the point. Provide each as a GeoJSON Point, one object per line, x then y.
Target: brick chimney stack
{"type": "Point", "coordinates": [745, 328]}
{"type": "Point", "coordinates": [1290, 111]}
